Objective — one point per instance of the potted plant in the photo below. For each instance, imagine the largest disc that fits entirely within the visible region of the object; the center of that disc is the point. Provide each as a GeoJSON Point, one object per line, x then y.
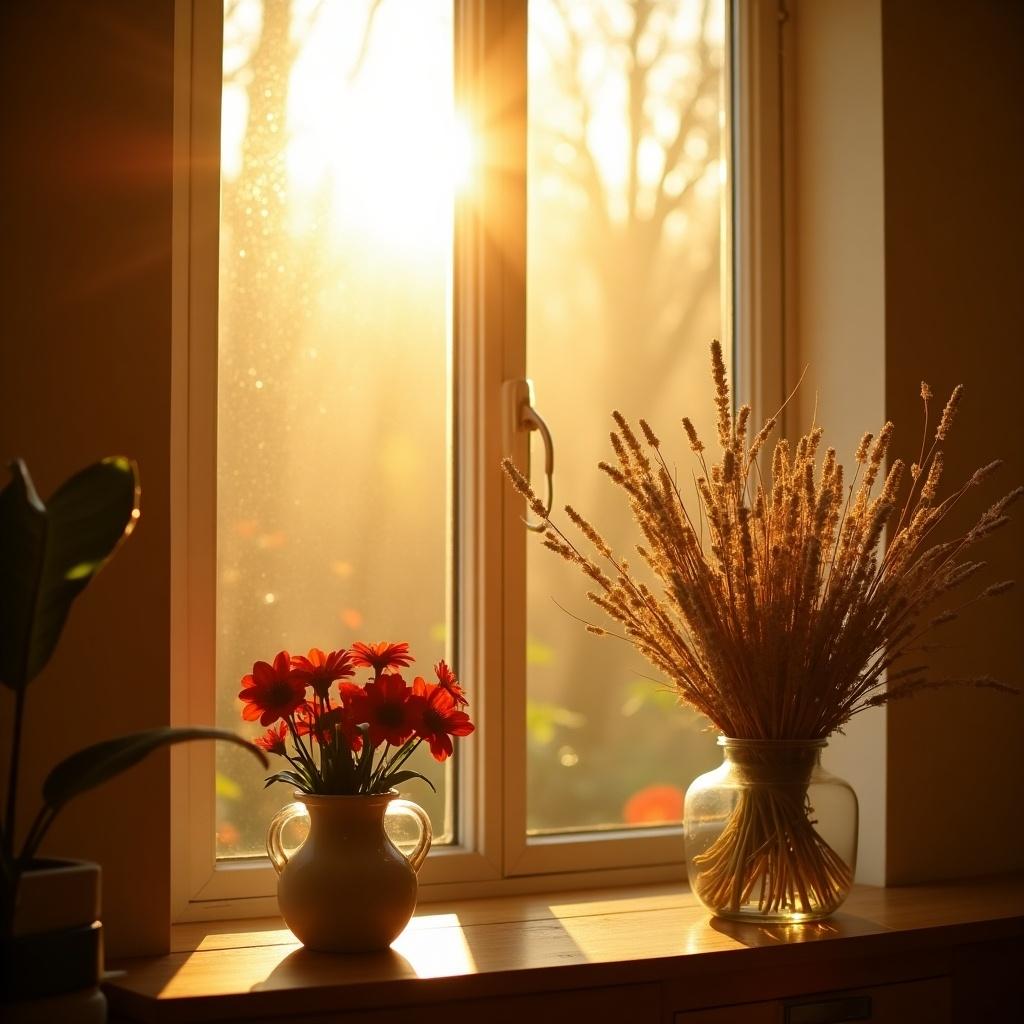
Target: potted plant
{"type": "Point", "coordinates": [50, 937]}
{"type": "Point", "coordinates": [348, 888]}
{"type": "Point", "coordinates": [772, 607]}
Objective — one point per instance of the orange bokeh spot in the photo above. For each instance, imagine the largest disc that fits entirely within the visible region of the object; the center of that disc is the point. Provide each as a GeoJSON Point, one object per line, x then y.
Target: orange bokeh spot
{"type": "Point", "coordinates": [228, 834]}
{"type": "Point", "coordinates": [351, 618]}
{"type": "Point", "coordinates": [271, 541]}
{"type": "Point", "coordinates": [654, 805]}
{"type": "Point", "coordinates": [247, 528]}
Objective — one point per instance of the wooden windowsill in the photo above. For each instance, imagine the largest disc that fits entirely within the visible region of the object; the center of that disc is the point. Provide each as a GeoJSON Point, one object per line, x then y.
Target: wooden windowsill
{"type": "Point", "coordinates": [503, 948]}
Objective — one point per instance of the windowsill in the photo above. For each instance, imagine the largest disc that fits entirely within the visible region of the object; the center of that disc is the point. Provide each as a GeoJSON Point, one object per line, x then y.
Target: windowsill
{"type": "Point", "coordinates": [510, 947]}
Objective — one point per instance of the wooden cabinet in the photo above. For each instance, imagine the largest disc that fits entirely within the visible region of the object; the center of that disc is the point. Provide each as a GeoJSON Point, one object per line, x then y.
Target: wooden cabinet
{"type": "Point", "coordinates": [929, 1002]}
{"type": "Point", "coordinates": [631, 1004]}
{"type": "Point", "coordinates": [946, 954]}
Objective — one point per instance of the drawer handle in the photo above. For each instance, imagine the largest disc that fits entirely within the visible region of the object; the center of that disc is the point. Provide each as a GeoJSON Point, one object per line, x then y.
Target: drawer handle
{"type": "Point", "coordinates": [832, 1011]}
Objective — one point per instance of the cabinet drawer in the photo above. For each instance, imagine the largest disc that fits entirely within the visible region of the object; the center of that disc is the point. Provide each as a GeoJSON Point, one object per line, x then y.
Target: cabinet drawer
{"type": "Point", "coordinates": [926, 1002]}
{"type": "Point", "coordinates": [635, 1004]}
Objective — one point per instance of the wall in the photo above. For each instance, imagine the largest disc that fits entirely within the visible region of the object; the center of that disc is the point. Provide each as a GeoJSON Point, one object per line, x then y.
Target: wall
{"type": "Point", "coordinates": [837, 306]}
{"type": "Point", "coordinates": [84, 373]}
{"type": "Point", "coordinates": [905, 214]}
{"type": "Point", "coordinates": [954, 219]}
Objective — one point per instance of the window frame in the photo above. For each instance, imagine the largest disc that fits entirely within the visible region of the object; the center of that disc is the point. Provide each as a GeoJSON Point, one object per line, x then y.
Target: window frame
{"type": "Point", "coordinates": [494, 854]}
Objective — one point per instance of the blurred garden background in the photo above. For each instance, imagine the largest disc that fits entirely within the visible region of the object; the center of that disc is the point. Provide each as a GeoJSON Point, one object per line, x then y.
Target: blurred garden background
{"type": "Point", "coordinates": [342, 152]}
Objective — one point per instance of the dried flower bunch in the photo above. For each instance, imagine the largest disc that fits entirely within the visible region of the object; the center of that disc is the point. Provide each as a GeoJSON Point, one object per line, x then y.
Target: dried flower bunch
{"type": "Point", "coordinates": [779, 616]}
{"type": "Point", "coordinates": [359, 739]}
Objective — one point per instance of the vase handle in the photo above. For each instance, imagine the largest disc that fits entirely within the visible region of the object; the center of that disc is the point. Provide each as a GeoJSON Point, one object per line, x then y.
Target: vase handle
{"type": "Point", "coordinates": [419, 855]}
{"type": "Point", "coordinates": [275, 848]}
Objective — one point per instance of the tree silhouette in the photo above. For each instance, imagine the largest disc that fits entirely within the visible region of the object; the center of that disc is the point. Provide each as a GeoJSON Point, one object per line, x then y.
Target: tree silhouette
{"type": "Point", "coordinates": [624, 237]}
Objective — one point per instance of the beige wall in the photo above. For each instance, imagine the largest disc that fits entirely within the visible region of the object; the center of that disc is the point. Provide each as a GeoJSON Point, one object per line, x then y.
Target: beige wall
{"type": "Point", "coordinates": [906, 215]}
{"type": "Point", "coordinates": [84, 373]}
{"type": "Point", "coordinates": [838, 298]}
{"type": "Point", "coordinates": [954, 220]}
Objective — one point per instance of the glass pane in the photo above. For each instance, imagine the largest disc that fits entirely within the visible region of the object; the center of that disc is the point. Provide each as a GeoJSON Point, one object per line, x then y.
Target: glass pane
{"type": "Point", "coordinates": [334, 461]}
{"type": "Point", "coordinates": [627, 142]}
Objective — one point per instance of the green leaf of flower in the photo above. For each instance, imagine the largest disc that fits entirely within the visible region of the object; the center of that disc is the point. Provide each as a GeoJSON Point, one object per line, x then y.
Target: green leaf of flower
{"type": "Point", "coordinates": [397, 778]}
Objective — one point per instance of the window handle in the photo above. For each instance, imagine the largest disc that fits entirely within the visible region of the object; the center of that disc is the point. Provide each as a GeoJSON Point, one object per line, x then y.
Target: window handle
{"type": "Point", "coordinates": [519, 396]}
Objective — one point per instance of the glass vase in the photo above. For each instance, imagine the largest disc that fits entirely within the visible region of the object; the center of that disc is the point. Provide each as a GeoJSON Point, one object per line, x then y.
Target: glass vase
{"type": "Point", "coordinates": [770, 835]}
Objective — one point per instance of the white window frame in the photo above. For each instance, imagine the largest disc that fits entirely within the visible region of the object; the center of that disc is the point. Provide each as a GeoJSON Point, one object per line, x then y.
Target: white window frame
{"type": "Point", "coordinates": [494, 853]}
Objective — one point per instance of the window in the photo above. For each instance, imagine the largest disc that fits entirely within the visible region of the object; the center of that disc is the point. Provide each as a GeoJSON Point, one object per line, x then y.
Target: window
{"type": "Point", "coordinates": [394, 211]}
{"type": "Point", "coordinates": [334, 475]}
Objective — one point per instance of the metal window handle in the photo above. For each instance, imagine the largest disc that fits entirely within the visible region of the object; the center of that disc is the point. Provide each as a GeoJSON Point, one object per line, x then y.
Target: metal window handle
{"type": "Point", "coordinates": [519, 399]}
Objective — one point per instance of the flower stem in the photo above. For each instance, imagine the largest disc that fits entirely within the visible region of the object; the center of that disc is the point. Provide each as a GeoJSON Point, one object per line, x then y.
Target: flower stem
{"type": "Point", "coordinates": [403, 754]}
{"type": "Point", "coordinates": [299, 767]}
{"type": "Point", "coordinates": [306, 756]}
{"type": "Point", "coordinates": [378, 771]}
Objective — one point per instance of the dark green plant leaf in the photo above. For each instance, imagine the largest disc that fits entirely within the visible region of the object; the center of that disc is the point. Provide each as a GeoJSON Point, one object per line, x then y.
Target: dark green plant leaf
{"type": "Point", "coordinates": [292, 778]}
{"type": "Point", "coordinates": [390, 781]}
{"type": "Point", "coordinates": [102, 761]}
{"type": "Point", "coordinates": [48, 554]}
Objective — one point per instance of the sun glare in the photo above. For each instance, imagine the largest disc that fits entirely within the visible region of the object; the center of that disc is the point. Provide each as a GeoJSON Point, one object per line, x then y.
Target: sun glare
{"type": "Point", "coordinates": [464, 154]}
{"type": "Point", "coordinates": [372, 131]}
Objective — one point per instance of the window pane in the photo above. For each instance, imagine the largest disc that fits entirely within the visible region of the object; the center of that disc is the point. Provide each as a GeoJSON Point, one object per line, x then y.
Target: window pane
{"type": "Point", "coordinates": [334, 461]}
{"type": "Point", "coordinates": [625, 221]}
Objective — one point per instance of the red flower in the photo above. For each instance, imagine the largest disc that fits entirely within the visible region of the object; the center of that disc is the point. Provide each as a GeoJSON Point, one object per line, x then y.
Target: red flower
{"type": "Point", "coordinates": [380, 657]}
{"type": "Point", "coordinates": [446, 678]}
{"type": "Point", "coordinates": [310, 722]}
{"type": "Point", "coordinates": [387, 707]}
{"type": "Point", "coordinates": [272, 691]}
{"type": "Point", "coordinates": [352, 696]}
{"type": "Point", "coordinates": [441, 718]}
{"type": "Point", "coordinates": [306, 719]}
{"type": "Point", "coordinates": [273, 740]}
{"type": "Point", "coordinates": [319, 670]}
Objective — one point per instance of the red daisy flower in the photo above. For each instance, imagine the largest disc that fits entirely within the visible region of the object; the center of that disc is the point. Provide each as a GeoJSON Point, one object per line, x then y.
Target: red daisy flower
{"type": "Point", "coordinates": [272, 691]}
{"type": "Point", "coordinates": [310, 722]}
{"type": "Point", "coordinates": [273, 740]}
{"type": "Point", "coordinates": [352, 696]}
{"type": "Point", "coordinates": [440, 718]}
{"type": "Point", "coordinates": [319, 670]}
{"type": "Point", "coordinates": [380, 657]}
{"type": "Point", "coordinates": [446, 678]}
{"type": "Point", "coordinates": [306, 718]}
{"type": "Point", "coordinates": [388, 709]}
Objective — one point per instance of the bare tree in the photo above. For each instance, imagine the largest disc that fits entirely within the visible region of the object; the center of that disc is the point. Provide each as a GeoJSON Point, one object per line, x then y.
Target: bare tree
{"type": "Point", "coordinates": [626, 268]}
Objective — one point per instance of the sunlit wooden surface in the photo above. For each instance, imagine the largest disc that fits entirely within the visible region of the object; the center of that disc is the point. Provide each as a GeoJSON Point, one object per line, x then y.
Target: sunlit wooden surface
{"type": "Point", "coordinates": [654, 949]}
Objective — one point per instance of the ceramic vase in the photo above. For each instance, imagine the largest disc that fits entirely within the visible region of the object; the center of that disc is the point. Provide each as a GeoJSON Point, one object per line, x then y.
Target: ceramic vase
{"type": "Point", "coordinates": [347, 888]}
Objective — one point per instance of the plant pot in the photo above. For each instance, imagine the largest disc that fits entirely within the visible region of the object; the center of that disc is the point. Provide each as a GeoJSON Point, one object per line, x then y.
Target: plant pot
{"type": "Point", "coordinates": [51, 964]}
{"type": "Point", "coordinates": [347, 888]}
{"type": "Point", "coordinates": [770, 835]}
